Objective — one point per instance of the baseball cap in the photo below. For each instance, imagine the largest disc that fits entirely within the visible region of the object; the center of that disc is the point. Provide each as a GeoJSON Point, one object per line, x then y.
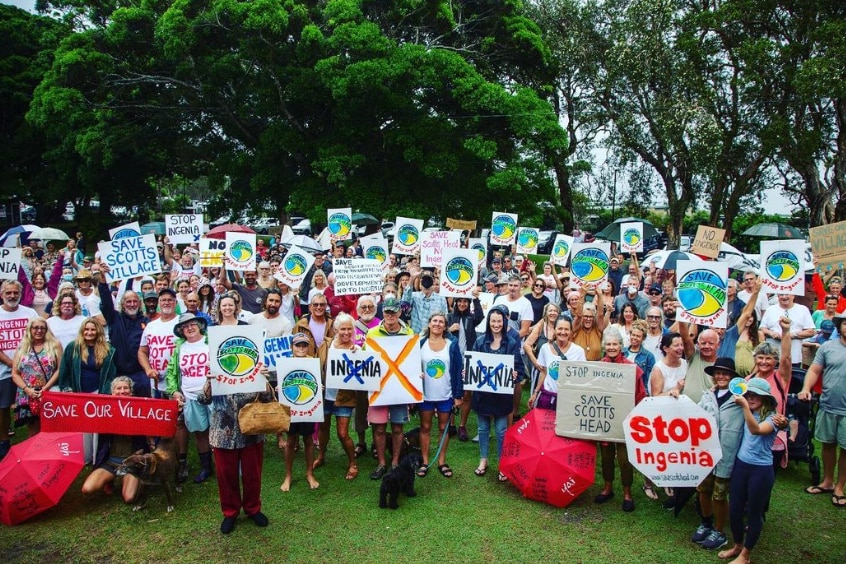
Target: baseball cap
{"type": "Point", "coordinates": [300, 338]}
{"type": "Point", "coordinates": [391, 304]}
{"type": "Point", "coordinates": [655, 289]}
{"type": "Point", "coordinates": [827, 326]}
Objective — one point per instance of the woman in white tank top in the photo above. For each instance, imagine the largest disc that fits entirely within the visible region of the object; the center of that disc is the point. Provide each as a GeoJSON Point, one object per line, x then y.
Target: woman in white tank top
{"type": "Point", "coordinates": [667, 378]}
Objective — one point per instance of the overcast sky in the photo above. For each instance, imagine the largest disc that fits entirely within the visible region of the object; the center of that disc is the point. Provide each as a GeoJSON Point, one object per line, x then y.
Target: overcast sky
{"type": "Point", "coordinates": [25, 4]}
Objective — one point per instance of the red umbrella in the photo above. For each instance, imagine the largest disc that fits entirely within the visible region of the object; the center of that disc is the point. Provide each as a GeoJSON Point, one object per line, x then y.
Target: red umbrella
{"type": "Point", "coordinates": [36, 474]}
{"type": "Point", "coordinates": [220, 231]}
{"type": "Point", "coordinates": [544, 466]}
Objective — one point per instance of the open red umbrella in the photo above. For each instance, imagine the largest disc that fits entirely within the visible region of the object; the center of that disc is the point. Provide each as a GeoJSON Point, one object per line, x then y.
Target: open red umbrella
{"type": "Point", "coordinates": [36, 474]}
{"type": "Point", "coordinates": [220, 231]}
{"type": "Point", "coordinates": [544, 466]}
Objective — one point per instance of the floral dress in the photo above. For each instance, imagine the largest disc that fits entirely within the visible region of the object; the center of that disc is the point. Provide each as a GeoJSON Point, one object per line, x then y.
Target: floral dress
{"type": "Point", "coordinates": [35, 369]}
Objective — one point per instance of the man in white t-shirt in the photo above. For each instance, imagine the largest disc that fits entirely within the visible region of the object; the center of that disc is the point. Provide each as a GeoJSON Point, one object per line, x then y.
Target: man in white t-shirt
{"type": "Point", "coordinates": [801, 325]}
{"type": "Point", "coordinates": [520, 318]}
{"type": "Point", "coordinates": [13, 321]}
{"type": "Point", "coordinates": [157, 342]}
{"type": "Point", "coordinates": [763, 301]}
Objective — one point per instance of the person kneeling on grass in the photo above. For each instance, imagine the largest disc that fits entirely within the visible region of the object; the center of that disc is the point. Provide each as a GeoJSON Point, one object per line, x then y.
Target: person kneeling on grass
{"type": "Point", "coordinates": [300, 345]}
{"type": "Point", "coordinates": [111, 452]}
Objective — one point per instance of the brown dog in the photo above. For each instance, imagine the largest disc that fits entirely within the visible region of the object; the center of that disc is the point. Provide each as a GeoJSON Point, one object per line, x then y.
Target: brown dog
{"type": "Point", "coordinates": [154, 468]}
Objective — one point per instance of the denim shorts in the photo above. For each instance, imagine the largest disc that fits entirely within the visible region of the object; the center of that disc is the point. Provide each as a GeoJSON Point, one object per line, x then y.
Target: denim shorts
{"type": "Point", "coordinates": [8, 389]}
{"type": "Point", "coordinates": [329, 408]}
{"type": "Point", "coordinates": [380, 415]}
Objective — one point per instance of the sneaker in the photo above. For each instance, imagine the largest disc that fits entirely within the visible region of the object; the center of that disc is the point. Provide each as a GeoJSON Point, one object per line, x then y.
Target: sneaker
{"type": "Point", "coordinates": [379, 472]}
{"type": "Point", "coordinates": [715, 540]}
{"type": "Point", "coordinates": [702, 533]}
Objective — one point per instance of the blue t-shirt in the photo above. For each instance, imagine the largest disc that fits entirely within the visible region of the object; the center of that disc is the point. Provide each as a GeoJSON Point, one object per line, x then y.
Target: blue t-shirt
{"type": "Point", "coordinates": [757, 449]}
{"type": "Point", "coordinates": [89, 377]}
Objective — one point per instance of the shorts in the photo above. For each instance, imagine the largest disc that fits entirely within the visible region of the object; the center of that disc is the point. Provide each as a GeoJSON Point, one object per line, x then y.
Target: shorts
{"type": "Point", "coordinates": [8, 389]}
{"type": "Point", "coordinates": [830, 428]}
{"type": "Point", "coordinates": [301, 428]}
{"type": "Point", "coordinates": [441, 406]}
{"type": "Point", "coordinates": [380, 415]}
{"type": "Point", "coordinates": [111, 464]}
{"type": "Point", "coordinates": [717, 488]}
{"type": "Point", "coordinates": [196, 416]}
{"type": "Point", "coordinates": [329, 408]}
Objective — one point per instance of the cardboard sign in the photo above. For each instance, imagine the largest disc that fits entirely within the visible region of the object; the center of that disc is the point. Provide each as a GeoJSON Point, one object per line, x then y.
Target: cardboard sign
{"type": "Point", "coordinates": [702, 292]}
{"type": "Point", "coordinates": [402, 375]}
{"type": "Point", "coordinates": [357, 276]}
{"type": "Point", "coordinates": [593, 400]}
{"type": "Point", "coordinates": [433, 244]}
{"type": "Point", "coordinates": [130, 257]}
{"type": "Point", "coordinates": [277, 348]}
{"type": "Point", "coordinates": [300, 389]}
{"type": "Point", "coordinates": [10, 260]}
{"type": "Point", "coordinates": [294, 267]}
{"type": "Point", "coordinates": [339, 224]}
{"type": "Point", "coordinates": [132, 229]}
{"type": "Point", "coordinates": [100, 413]}
{"type": "Point", "coordinates": [707, 241]}
{"type": "Point", "coordinates": [212, 252]}
{"type": "Point", "coordinates": [236, 357]}
{"type": "Point", "coordinates": [829, 245]}
{"type": "Point", "coordinates": [631, 237]}
{"type": "Point", "coordinates": [240, 253]}
{"type": "Point", "coordinates": [486, 372]}
{"type": "Point", "coordinates": [561, 249]}
{"type": "Point", "coordinates": [375, 247]}
{"type": "Point", "coordinates": [673, 442]}
{"type": "Point", "coordinates": [481, 249]}
{"type": "Point", "coordinates": [458, 274]}
{"type": "Point", "coordinates": [461, 224]}
{"type": "Point", "coordinates": [590, 263]}
{"type": "Point", "coordinates": [783, 267]}
{"type": "Point", "coordinates": [347, 370]}
{"type": "Point", "coordinates": [503, 228]}
{"type": "Point", "coordinates": [184, 229]}
{"type": "Point", "coordinates": [527, 240]}
{"type": "Point", "coordinates": [407, 236]}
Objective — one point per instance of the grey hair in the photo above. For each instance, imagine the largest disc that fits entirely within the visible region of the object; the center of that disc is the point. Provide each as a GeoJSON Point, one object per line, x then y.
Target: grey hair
{"type": "Point", "coordinates": [364, 298]}
{"type": "Point", "coordinates": [611, 333]}
{"type": "Point", "coordinates": [767, 349]}
{"type": "Point", "coordinates": [343, 318]}
{"type": "Point", "coordinates": [122, 380]}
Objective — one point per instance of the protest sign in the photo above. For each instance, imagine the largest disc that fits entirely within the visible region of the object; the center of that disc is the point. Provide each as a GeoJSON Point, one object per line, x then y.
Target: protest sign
{"type": "Point", "coordinates": [275, 349]}
{"type": "Point", "coordinates": [593, 400]}
{"type": "Point", "coordinates": [783, 267]}
{"type": "Point", "coordinates": [458, 274]}
{"type": "Point", "coordinates": [294, 267]}
{"type": "Point", "coordinates": [434, 243]}
{"type": "Point", "coordinates": [672, 441]}
{"type": "Point", "coordinates": [481, 249]}
{"type": "Point", "coordinates": [375, 247]}
{"type": "Point", "coordinates": [631, 237]}
{"type": "Point", "coordinates": [130, 257]}
{"type": "Point", "coordinates": [10, 260]}
{"type": "Point", "coordinates": [486, 372]}
{"type": "Point", "coordinates": [182, 229]}
{"type": "Point", "coordinates": [240, 253]}
{"type": "Point", "coordinates": [401, 369]}
{"type": "Point", "coordinates": [707, 241]}
{"type": "Point", "coordinates": [561, 249]}
{"type": "Point", "coordinates": [486, 301]}
{"type": "Point", "coordinates": [132, 229]}
{"type": "Point", "coordinates": [300, 389]}
{"type": "Point", "coordinates": [357, 276]}
{"type": "Point", "coordinates": [347, 370]}
{"type": "Point", "coordinates": [590, 263]}
{"type": "Point", "coordinates": [407, 236]}
{"type": "Point", "coordinates": [527, 240]}
{"type": "Point", "coordinates": [829, 245]}
{"type": "Point", "coordinates": [702, 292]}
{"type": "Point", "coordinates": [100, 413]}
{"type": "Point", "coordinates": [503, 228]}
{"type": "Point", "coordinates": [461, 224]}
{"type": "Point", "coordinates": [212, 252]}
{"type": "Point", "coordinates": [236, 355]}
{"type": "Point", "coordinates": [339, 223]}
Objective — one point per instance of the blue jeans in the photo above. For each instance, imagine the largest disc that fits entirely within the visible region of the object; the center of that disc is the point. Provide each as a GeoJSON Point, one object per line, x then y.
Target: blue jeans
{"type": "Point", "coordinates": [500, 424]}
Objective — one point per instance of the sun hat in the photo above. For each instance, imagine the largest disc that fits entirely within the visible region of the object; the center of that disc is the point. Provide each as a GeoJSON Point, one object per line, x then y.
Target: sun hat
{"type": "Point", "coordinates": [759, 387]}
{"type": "Point", "coordinates": [723, 363]}
{"type": "Point", "coordinates": [83, 274]}
{"type": "Point", "coordinates": [186, 318]}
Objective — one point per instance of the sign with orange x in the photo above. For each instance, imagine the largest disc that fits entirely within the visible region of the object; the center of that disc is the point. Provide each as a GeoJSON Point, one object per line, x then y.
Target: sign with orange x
{"type": "Point", "coordinates": [402, 371]}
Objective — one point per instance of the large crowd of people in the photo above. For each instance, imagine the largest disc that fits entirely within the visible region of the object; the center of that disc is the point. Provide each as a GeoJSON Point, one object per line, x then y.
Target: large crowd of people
{"type": "Point", "coordinates": [68, 329]}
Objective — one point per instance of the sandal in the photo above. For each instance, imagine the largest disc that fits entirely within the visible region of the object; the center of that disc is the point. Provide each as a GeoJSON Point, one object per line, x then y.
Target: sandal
{"type": "Point", "coordinates": [649, 492]}
{"type": "Point", "coordinates": [352, 473]}
{"type": "Point", "coordinates": [838, 500]}
{"type": "Point", "coordinates": [360, 449]}
{"type": "Point", "coordinates": [481, 471]}
{"type": "Point", "coordinates": [815, 490]}
{"type": "Point", "coordinates": [422, 471]}
{"type": "Point", "coordinates": [502, 478]}
{"type": "Point", "coordinates": [445, 470]}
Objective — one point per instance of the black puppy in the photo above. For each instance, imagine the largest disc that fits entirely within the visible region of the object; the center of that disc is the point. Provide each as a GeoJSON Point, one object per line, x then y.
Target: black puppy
{"type": "Point", "coordinates": [399, 479]}
{"type": "Point", "coordinates": [154, 468]}
{"type": "Point", "coordinates": [410, 443]}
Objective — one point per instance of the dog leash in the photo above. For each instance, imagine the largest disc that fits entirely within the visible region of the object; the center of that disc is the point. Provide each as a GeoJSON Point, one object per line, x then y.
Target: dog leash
{"type": "Point", "coordinates": [443, 439]}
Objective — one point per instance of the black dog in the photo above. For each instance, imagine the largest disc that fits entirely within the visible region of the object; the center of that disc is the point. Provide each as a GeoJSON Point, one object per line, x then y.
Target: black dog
{"type": "Point", "coordinates": [399, 479]}
{"type": "Point", "coordinates": [154, 468]}
{"type": "Point", "coordinates": [410, 443]}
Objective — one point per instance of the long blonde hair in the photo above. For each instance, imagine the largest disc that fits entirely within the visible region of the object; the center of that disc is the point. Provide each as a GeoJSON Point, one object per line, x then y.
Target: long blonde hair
{"type": "Point", "coordinates": [52, 346]}
{"type": "Point", "coordinates": [101, 346]}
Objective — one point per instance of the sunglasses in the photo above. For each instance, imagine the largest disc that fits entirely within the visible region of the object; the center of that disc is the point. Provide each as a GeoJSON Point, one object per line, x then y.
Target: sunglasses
{"type": "Point", "coordinates": [540, 285]}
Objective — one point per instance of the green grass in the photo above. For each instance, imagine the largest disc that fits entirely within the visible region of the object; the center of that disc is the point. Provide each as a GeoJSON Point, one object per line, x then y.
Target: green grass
{"type": "Point", "coordinates": [462, 519]}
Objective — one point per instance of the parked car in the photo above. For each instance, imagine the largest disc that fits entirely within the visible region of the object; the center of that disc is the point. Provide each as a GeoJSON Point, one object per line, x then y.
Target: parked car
{"type": "Point", "coordinates": [303, 227]}
{"type": "Point", "coordinates": [263, 225]}
{"type": "Point", "coordinates": [546, 239]}
{"type": "Point", "coordinates": [386, 227]}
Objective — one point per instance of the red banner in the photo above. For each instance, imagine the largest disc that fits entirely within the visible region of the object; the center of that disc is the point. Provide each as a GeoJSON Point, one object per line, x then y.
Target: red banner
{"type": "Point", "coordinates": [118, 415]}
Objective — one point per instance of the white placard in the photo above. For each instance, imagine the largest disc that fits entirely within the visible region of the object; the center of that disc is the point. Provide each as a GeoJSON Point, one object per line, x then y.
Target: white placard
{"type": "Point", "coordinates": [458, 274]}
{"type": "Point", "coordinates": [357, 276]}
{"type": "Point", "coordinates": [402, 375]}
{"type": "Point", "coordinates": [130, 257]}
{"type": "Point", "coordinates": [236, 354]}
{"type": "Point", "coordinates": [294, 267]}
{"type": "Point", "coordinates": [182, 229]}
{"type": "Point", "coordinates": [561, 249]}
{"type": "Point", "coordinates": [240, 251]}
{"type": "Point", "coordinates": [481, 248]}
{"type": "Point", "coordinates": [212, 252]}
{"type": "Point", "coordinates": [590, 263]}
{"type": "Point", "coordinates": [339, 223]}
{"type": "Point", "coordinates": [132, 229]}
{"type": "Point", "coordinates": [10, 260]}
{"type": "Point", "coordinates": [702, 292]}
{"type": "Point", "coordinates": [434, 243]}
{"type": "Point", "coordinates": [527, 240]}
{"type": "Point", "coordinates": [631, 237]}
{"type": "Point", "coordinates": [277, 348]}
{"type": "Point", "coordinates": [503, 228]}
{"type": "Point", "coordinates": [300, 389]}
{"type": "Point", "coordinates": [486, 372]}
{"type": "Point", "coordinates": [375, 247]}
{"type": "Point", "coordinates": [783, 267]}
{"type": "Point", "coordinates": [407, 236]}
{"type": "Point", "coordinates": [486, 300]}
{"type": "Point", "coordinates": [347, 370]}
